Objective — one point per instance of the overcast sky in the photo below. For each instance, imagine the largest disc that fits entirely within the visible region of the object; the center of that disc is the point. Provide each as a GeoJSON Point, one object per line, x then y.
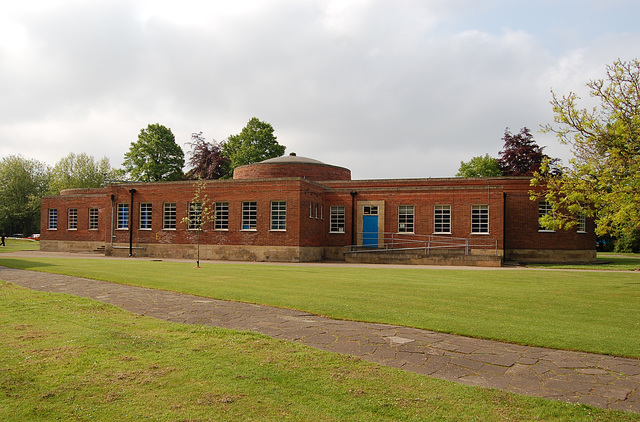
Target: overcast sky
{"type": "Point", "coordinates": [387, 88]}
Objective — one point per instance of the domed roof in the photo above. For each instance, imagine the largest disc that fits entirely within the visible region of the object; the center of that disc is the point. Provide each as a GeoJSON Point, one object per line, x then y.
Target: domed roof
{"type": "Point", "coordinates": [291, 166]}
{"type": "Point", "coordinates": [291, 158]}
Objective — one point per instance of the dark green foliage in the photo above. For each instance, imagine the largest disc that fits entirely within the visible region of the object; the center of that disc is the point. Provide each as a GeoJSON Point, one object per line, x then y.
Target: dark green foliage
{"type": "Point", "coordinates": [253, 144]}
{"type": "Point", "coordinates": [155, 156]}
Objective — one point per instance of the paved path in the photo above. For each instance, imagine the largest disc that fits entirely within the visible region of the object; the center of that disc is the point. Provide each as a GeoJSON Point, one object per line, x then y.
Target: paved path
{"type": "Point", "coordinates": [602, 381]}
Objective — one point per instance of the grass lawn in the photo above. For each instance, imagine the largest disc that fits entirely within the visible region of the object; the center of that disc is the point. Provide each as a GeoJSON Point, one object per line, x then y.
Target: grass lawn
{"type": "Point", "coordinates": [13, 245]}
{"type": "Point", "coordinates": [605, 261]}
{"type": "Point", "coordinates": [589, 311]}
{"type": "Point", "coordinates": [69, 358]}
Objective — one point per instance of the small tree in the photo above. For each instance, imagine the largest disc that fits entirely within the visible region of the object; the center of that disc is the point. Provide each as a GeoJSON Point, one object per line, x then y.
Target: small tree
{"type": "Point", "coordinates": [253, 144]}
{"type": "Point", "coordinates": [155, 156]}
{"type": "Point", "coordinates": [207, 160]}
{"type": "Point", "coordinates": [480, 166]}
{"type": "Point", "coordinates": [201, 212]}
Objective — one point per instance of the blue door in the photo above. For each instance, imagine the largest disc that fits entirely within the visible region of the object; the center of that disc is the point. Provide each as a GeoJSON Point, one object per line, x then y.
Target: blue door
{"type": "Point", "coordinates": [370, 231]}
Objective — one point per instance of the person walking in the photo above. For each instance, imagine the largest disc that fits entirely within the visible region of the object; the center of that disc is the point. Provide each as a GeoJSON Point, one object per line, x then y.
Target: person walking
{"type": "Point", "coordinates": [3, 239]}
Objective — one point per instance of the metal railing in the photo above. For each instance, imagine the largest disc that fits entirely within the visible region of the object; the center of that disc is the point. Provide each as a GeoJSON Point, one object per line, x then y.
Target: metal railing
{"type": "Point", "coordinates": [406, 242]}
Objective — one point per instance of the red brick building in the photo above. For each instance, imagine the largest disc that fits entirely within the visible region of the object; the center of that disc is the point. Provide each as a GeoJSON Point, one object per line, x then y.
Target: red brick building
{"type": "Point", "coordinates": [295, 209]}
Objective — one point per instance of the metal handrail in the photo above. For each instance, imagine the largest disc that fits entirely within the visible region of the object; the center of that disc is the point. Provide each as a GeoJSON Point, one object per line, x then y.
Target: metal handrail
{"type": "Point", "coordinates": [405, 241]}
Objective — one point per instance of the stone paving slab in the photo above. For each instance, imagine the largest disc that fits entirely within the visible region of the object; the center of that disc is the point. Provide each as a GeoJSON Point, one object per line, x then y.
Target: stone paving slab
{"type": "Point", "coordinates": [597, 380]}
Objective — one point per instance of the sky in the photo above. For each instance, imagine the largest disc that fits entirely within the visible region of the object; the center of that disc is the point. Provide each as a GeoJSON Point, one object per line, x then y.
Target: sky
{"type": "Point", "coordinates": [388, 89]}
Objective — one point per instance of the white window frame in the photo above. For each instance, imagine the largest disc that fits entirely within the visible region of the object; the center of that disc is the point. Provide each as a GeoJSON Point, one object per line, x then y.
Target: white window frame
{"type": "Point", "coordinates": [94, 219]}
{"type": "Point", "coordinates": [222, 216]}
{"type": "Point", "coordinates": [195, 215]}
{"type": "Point", "coordinates": [146, 216]}
{"type": "Point", "coordinates": [480, 219]}
{"type": "Point", "coordinates": [582, 223]}
{"type": "Point", "coordinates": [122, 217]}
{"type": "Point", "coordinates": [278, 215]}
{"type": "Point", "coordinates": [169, 215]}
{"type": "Point", "coordinates": [544, 208]}
{"type": "Point", "coordinates": [442, 219]}
{"type": "Point", "coordinates": [337, 219]}
{"type": "Point", "coordinates": [406, 218]}
{"type": "Point", "coordinates": [53, 219]}
{"type": "Point", "coordinates": [249, 216]}
{"type": "Point", "coordinates": [72, 219]}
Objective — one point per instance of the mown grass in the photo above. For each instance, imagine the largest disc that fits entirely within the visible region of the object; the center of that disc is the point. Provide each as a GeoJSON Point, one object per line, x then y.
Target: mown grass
{"type": "Point", "coordinates": [588, 311]}
{"type": "Point", "coordinates": [605, 261]}
{"type": "Point", "coordinates": [13, 245]}
{"type": "Point", "coordinates": [69, 358]}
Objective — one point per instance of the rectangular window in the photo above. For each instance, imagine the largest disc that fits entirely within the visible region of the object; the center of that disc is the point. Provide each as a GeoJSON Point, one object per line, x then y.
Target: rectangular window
{"type": "Point", "coordinates": [72, 221]}
{"type": "Point", "coordinates": [93, 219]}
{"type": "Point", "coordinates": [249, 215]}
{"type": "Point", "coordinates": [169, 216]}
{"type": "Point", "coordinates": [405, 218]}
{"type": "Point", "coordinates": [195, 215]}
{"type": "Point", "coordinates": [336, 219]}
{"type": "Point", "coordinates": [582, 223]}
{"type": "Point", "coordinates": [123, 216]}
{"type": "Point", "coordinates": [544, 208]}
{"type": "Point", "coordinates": [442, 219]}
{"type": "Point", "coordinates": [222, 216]}
{"type": "Point", "coordinates": [53, 219]}
{"type": "Point", "coordinates": [278, 215]}
{"type": "Point", "coordinates": [479, 218]}
{"type": "Point", "coordinates": [145, 216]}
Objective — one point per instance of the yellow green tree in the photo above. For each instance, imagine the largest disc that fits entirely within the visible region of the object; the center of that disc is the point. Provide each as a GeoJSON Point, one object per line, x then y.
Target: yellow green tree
{"type": "Point", "coordinates": [603, 178]}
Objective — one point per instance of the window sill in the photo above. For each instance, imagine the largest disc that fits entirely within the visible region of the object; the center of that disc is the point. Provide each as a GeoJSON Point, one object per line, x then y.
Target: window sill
{"type": "Point", "coordinates": [249, 230]}
{"type": "Point", "coordinates": [277, 230]}
{"type": "Point", "coordinates": [123, 229]}
{"type": "Point", "coordinates": [546, 231]}
{"type": "Point", "coordinates": [480, 234]}
{"type": "Point", "coordinates": [169, 230]}
{"type": "Point", "coordinates": [440, 233]}
{"type": "Point", "coordinates": [337, 233]}
{"type": "Point", "coordinates": [144, 229]}
{"type": "Point", "coordinates": [72, 230]}
{"type": "Point", "coordinates": [221, 230]}
{"type": "Point", "coordinates": [582, 232]}
{"type": "Point", "coordinates": [53, 229]}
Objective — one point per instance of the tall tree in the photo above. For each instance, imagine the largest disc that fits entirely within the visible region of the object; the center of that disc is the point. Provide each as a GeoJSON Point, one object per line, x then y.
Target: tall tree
{"type": "Point", "coordinates": [480, 166]}
{"type": "Point", "coordinates": [155, 156]}
{"type": "Point", "coordinates": [81, 171]}
{"type": "Point", "coordinates": [603, 178]}
{"type": "Point", "coordinates": [253, 144]}
{"type": "Point", "coordinates": [520, 156]}
{"type": "Point", "coordinates": [22, 183]}
{"type": "Point", "coordinates": [206, 159]}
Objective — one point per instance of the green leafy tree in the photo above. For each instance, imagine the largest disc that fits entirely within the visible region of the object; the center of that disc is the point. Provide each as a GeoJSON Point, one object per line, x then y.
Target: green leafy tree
{"type": "Point", "coordinates": [603, 178]}
{"type": "Point", "coordinates": [81, 171]}
{"type": "Point", "coordinates": [253, 144]}
{"type": "Point", "coordinates": [480, 166]}
{"type": "Point", "coordinates": [201, 213]}
{"type": "Point", "coordinates": [155, 156]}
{"type": "Point", "coordinates": [22, 183]}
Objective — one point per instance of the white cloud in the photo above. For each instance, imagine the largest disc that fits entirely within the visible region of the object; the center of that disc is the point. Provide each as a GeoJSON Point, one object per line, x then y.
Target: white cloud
{"type": "Point", "coordinates": [402, 89]}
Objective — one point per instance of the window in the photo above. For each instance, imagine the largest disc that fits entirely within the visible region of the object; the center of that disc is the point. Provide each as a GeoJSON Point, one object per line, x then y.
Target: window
{"type": "Point", "coordinates": [479, 218]}
{"type": "Point", "coordinates": [53, 219]}
{"type": "Point", "coordinates": [582, 223]}
{"type": "Point", "coordinates": [222, 216]}
{"type": "Point", "coordinates": [336, 223]}
{"type": "Point", "coordinates": [278, 215]}
{"type": "Point", "coordinates": [544, 208]}
{"type": "Point", "coordinates": [93, 219]}
{"type": "Point", "coordinates": [145, 216]}
{"type": "Point", "coordinates": [442, 219]}
{"type": "Point", "coordinates": [169, 216]}
{"type": "Point", "coordinates": [405, 218]}
{"type": "Point", "coordinates": [72, 221]}
{"type": "Point", "coordinates": [123, 216]}
{"type": "Point", "coordinates": [249, 215]}
{"type": "Point", "coordinates": [370, 210]}
{"type": "Point", "coordinates": [195, 215]}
